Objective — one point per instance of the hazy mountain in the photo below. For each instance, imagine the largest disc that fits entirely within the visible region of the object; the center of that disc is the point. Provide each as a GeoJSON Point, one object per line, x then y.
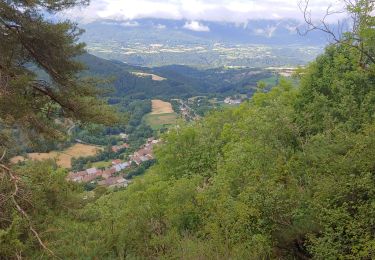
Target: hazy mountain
{"type": "Point", "coordinates": [275, 32]}
{"type": "Point", "coordinates": [160, 42]}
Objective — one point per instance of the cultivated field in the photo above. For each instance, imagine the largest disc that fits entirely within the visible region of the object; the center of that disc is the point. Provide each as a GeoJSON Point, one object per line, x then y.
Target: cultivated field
{"type": "Point", "coordinates": [158, 121]}
{"type": "Point", "coordinates": [63, 158]}
{"type": "Point", "coordinates": [162, 115]}
{"type": "Point", "coordinates": [161, 107]}
{"type": "Point", "coordinates": [153, 76]}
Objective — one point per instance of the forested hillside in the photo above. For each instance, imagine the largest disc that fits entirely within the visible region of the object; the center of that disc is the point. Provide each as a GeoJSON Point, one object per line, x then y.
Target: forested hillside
{"type": "Point", "coordinates": [180, 81]}
{"type": "Point", "coordinates": [290, 174]}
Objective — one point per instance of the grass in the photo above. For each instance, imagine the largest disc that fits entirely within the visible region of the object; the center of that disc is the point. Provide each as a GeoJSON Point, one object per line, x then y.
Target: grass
{"type": "Point", "coordinates": [102, 164]}
{"type": "Point", "coordinates": [224, 105]}
{"type": "Point", "coordinates": [162, 115]}
{"type": "Point", "coordinates": [159, 121]}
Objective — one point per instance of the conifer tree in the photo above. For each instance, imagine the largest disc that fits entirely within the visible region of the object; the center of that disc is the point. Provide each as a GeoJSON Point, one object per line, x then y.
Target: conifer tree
{"type": "Point", "coordinates": [41, 86]}
{"type": "Point", "coordinates": [40, 80]}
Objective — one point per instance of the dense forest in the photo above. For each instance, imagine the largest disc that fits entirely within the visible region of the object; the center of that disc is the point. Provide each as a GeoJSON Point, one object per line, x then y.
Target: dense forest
{"type": "Point", "coordinates": [180, 81]}
{"type": "Point", "coordinates": [289, 174]}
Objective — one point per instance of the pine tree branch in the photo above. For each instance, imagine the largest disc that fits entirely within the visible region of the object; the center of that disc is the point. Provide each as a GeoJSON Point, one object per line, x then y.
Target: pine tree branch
{"type": "Point", "coordinates": [43, 87]}
{"type": "Point", "coordinates": [15, 180]}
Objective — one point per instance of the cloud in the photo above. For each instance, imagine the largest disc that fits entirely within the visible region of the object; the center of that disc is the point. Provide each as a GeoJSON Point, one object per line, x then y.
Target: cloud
{"type": "Point", "coordinates": [160, 26]}
{"type": "Point", "coordinates": [269, 31]}
{"type": "Point", "coordinates": [196, 26]}
{"type": "Point", "coordinates": [291, 28]}
{"type": "Point", "coordinates": [130, 24]}
{"type": "Point", "coordinates": [237, 11]}
{"type": "Point", "coordinates": [259, 31]}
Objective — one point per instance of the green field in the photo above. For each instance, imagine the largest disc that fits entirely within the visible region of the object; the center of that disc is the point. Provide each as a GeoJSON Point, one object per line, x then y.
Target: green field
{"type": "Point", "coordinates": [223, 105]}
{"type": "Point", "coordinates": [102, 164]}
{"type": "Point", "coordinates": [159, 121]}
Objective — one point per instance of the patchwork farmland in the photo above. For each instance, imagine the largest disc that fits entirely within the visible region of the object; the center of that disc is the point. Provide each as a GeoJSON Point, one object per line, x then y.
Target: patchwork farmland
{"type": "Point", "coordinates": [162, 115]}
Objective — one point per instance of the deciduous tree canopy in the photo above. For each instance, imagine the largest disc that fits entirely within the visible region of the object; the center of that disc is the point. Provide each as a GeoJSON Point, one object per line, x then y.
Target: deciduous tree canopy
{"type": "Point", "coordinates": [288, 175]}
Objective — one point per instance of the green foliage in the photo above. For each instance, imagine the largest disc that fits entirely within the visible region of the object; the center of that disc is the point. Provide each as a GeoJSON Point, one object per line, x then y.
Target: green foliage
{"type": "Point", "coordinates": [34, 104]}
{"type": "Point", "coordinates": [140, 170]}
{"type": "Point", "coordinates": [336, 90]}
{"type": "Point", "coordinates": [287, 175]}
{"type": "Point", "coordinates": [260, 181]}
{"type": "Point", "coordinates": [45, 196]}
{"type": "Point", "coordinates": [181, 81]}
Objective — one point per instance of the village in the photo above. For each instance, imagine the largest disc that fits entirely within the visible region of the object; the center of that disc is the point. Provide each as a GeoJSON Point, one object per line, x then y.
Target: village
{"type": "Point", "coordinates": [112, 177]}
{"type": "Point", "coordinates": [232, 101]}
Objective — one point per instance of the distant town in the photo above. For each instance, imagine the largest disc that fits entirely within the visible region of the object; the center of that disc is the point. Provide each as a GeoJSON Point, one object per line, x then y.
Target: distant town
{"type": "Point", "coordinates": [113, 176]}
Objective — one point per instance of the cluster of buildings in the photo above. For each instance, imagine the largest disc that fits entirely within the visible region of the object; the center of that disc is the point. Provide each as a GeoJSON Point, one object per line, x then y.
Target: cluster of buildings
{"type": "Point", "coordinates": [106, 177]}
{"type": "Point", "coordinates": [120, 147]}
{"type": "Point", "coordinates": [124, 136]}
{"type": "Point", "coordinates": [231, 101]}
{"type": "Point", "coordinates": [184, 111]}
{"type": "Point", "coordinates": [117, 148]}
{"type": "Point", "coordinates": [145, 153]}
{"type": "Point", "coordinates": [110, 177]}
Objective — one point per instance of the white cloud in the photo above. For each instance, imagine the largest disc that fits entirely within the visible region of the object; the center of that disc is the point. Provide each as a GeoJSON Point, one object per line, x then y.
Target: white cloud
{"type": "Point", "coordinates": [238, 11]}
{"type": "Point", "coordinates": [196, 26]}
{"type": "Point", "coordinates": [269, 31]}
{"type": "Point", "coordinates": [130, 24]}
{"type": "Point", "coordinates": [291, 28]}
{"type": "Point", "coordinates": [160, 26]}
{"type": "Point", "coordinates": [259, 31]}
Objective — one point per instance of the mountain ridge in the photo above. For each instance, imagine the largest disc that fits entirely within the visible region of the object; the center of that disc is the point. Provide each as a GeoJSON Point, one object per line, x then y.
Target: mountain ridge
{"type": "Point", "coordinates": [279, 32]}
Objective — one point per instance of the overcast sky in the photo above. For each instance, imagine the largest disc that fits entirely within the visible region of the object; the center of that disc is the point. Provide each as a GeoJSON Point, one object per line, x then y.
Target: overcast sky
{"type": "Point", "coordinates": [238, 11]}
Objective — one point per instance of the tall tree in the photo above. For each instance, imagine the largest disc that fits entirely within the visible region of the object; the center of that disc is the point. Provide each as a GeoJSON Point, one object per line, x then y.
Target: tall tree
{"type": "Point", "coordinates": [29, 43]}
{"type": "Point", "coordinates": [40, 87]}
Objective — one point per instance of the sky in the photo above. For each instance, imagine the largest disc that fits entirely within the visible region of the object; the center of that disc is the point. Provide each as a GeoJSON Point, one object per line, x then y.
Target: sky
{"type": "Point", "coordinates": [195, 11]}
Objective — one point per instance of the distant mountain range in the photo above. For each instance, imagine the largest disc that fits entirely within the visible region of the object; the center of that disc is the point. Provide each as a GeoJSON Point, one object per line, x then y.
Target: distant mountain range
{"type": "Point", "coordinates": [173, 81]}
{"type": "Point", "coordinates": [149, 31]}
{"type": "Point", "coordinates": [160, 42]}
